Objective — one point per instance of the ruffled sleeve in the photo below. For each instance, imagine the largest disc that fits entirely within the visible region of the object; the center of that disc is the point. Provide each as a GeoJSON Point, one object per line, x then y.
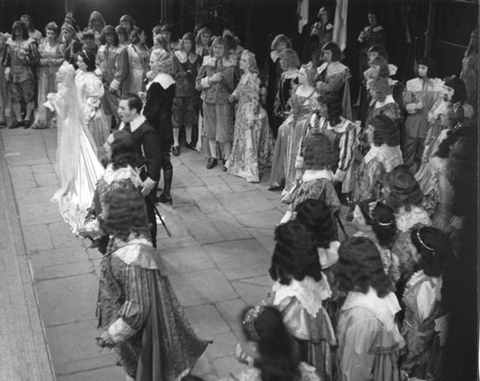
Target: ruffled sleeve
{"type": "Point", "coordinates": [426, 300]}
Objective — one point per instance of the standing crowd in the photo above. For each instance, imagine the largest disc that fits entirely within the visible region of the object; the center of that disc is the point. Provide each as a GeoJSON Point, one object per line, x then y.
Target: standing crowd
{"type": "Point", "coordinates": [375, 306]}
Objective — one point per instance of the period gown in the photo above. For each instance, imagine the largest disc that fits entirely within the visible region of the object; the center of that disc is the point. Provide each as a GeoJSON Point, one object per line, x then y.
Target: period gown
{"type": "Point", "coordinates": [376, 163]}
{"type": "Point", "coordinates": [51, 57]}
{"type": "Point", "coordinates": [137, 69]}
{"type": "Point", "coordinates": [288, 141]}
{"type": "Point", "coordinates": [301, 304]}
{"type": "Point", "coordinates": [77, 162]}
{"type": "Point", "coordinates": [422, 299]}
{"type": "Point", "coordinates": [252, 142]}
{"type": "Point", "coordinates": [369, 341]}
{"type": "Point", "coordinates": [90, 91]}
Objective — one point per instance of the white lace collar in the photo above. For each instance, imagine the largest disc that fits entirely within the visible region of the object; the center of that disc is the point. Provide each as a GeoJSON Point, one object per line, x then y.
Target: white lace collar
{"type": "Point", "coordinates": [136, 251]}
{"type": "Point", "coordinates": [328, 257]}
{"type": "Point", "coordinates": [309, 293]}
{"type": "Point", "coordinates": [384, 308]}
{"type": "Point", "coordinates": [163, 80]}
{"type": "Point", "coordinates": [407, 219]}
{"type": "Point", "coordinates": [274, 55]}
{"type": "Point", "coordinates": [333, 67]}
{"type": "Point", "coordinates": [389, 99]}
{"type": "Point", "coordinates": [316, 174]}
{"type": "Point", "coordinates": [111, 175]}
{"type": "Point", "coordinates": [383, 152]}
{"type": "Point", "coordinates": [182, 56]}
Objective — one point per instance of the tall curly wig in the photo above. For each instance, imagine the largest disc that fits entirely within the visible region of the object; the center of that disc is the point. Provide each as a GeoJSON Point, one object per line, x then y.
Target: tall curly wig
{"type": "Point", "coordinates": [317, 218]}
{"type": "Point", "coordinates": [334, 107]}
{"type": "Point", "coordinates": [382, 220]}
{"type": "Point", "coordinates": [290, 58]}
{"type": "Point", "coordinates": [404, 189]}
{"type": "Point", "coordinates": [295, 255]}
{"type": "Point", "coordinates": [318, 152]}
{"type": "Point", "coordinates": [124, 212]}
{"type": "Point", "coordinates": [385, 131]}
{"type": "Point", "coordinates": [435, 250]}
{"type": "Point", "coordinates": [123, 150]}
{"type": "Point", "coordinates": [360, 267]}
{"type": "Point", "coordinates": [279, 358]}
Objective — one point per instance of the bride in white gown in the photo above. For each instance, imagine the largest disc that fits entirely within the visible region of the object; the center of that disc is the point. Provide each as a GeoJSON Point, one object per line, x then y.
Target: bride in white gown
{"type": "Point", "coordinates": [77, 164]}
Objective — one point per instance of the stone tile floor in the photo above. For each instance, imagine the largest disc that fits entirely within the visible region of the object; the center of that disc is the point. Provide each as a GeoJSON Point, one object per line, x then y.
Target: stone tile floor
{"type": "Point", "coordinates": [217, 257]}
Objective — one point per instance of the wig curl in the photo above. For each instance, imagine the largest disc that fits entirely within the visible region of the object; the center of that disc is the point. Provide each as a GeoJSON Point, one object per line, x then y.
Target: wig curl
{"type": "Point", "coordinates": [360, 267]}
{"type": "Point", "coordinates": [295, 255]}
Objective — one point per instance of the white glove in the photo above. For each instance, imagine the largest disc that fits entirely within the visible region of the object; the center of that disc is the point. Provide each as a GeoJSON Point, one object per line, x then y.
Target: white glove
{"type": "Point", "coordinates": [147, 186]}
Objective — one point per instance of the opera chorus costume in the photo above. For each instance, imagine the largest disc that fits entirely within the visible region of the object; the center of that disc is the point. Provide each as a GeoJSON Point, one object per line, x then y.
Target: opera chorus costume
{"type": "Point", "coordinates": [138, 307]}
{"type": "Point", "coordinates": [252, 142]}
{"type": "Point", "coordinates": [288, 140]}
{"type": "Point", "coordinates": [334, 80]}
{"type": "Point", "coordinates": [112, 67]}
{"type": "Point", "coordinates": [369, 175]}
{"type": "Point", "coordinates": [90, 91]}
{"type": "Point", "coordinates": [438, 191]}
{"type": "Point", "coordinates": [215, 97]}
{"type": "Point", "coordinates": [388, 107]}
{"type": "Point", "coordinates": [315, 184]}
{"type": "Point", "coordinates": [18, 61]}
{"type": "Point", "coordinates": [137, 69]}
{"type": "Point", "coordinates": [343, 137]}
{"type": "Point", "coordinates": [414, 218]}
{"type": "Point", "coordinates": [419, 97]}
{"type": "Point", "coordinates": [77, 162]}
{"type": "Point", "coordinates": [307, 320]}
{"type": "Point", "coordinates": [369, 341]}
{"type": "Point", "coordinates": [422, 299]}
{"type": "Point", "coordinates": [51, 57]}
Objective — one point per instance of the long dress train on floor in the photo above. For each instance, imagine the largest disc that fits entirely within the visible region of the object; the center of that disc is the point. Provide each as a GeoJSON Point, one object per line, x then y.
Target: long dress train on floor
{"type": "Point", "coordinates": [77, 164]}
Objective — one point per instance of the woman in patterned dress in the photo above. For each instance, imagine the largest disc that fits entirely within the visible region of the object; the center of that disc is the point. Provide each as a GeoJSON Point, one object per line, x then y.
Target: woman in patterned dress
{"type": "Point", "coordinates": [252, 142]}
{"type": "Point", "coordinates": [51, 57]}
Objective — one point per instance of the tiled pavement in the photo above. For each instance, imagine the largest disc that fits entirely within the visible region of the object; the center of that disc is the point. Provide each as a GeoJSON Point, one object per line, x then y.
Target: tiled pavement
{"type": "Point", "coordinates": [217, 258]}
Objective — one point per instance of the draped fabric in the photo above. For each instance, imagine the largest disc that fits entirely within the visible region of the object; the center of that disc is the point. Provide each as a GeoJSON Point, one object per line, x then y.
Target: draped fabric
{"type": "Point", "coordinates": [77, 164]}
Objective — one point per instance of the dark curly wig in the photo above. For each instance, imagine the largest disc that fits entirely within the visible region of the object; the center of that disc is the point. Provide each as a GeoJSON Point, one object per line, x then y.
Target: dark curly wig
{"type": "Point", "coordinates": [335, 49]}
{"type": "Point", "coordinates": [123, 150]}
{"type": "Point", "coordinates": [385, 131]}
{"type": "Point", "coordinates": [317, 218]}
{"type": "Point", "coordinates": [360, 267]}
{"type": "Point", "coordinates": [435, 250]}
{"type": "Point", "coordinates": [279, 358]}
{"type": "Point", "coordinates": [318, 152]}
{"type": "Point", "coordinates": [124, 213]}
{"type": "Point", "coordinates": [382, 220]}
{"type": "Point", "coordinates": [380, 50]}
{"type": "Point", "coordinates": [404, 189]}
{"type": "Point", "coordinates": [295, 255]}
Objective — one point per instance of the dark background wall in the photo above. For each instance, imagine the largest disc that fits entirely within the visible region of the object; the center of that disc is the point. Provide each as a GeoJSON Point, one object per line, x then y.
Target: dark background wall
{"type": "Point", "coordinates": [256, 22]}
